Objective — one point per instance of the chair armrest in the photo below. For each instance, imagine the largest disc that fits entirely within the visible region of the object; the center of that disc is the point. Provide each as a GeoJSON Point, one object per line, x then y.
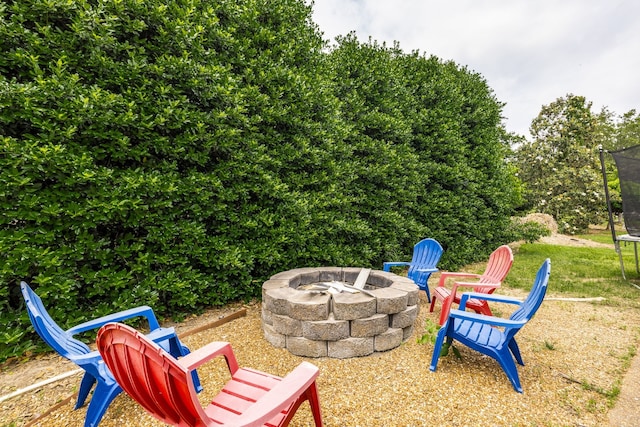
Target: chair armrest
{"type": "Point", "coordinates": [386, 266]}
{"type": "Point", "coordinates": [474, 285]}
{"type": "Point", "coordinates": [142, 311]}
{"type": "Point", "coordinates": [487, 320]}
{"type": "Point", "coordinates": [168, 340]}
{"type": "Point", "coordinates": [210, 351]}
{"type": "Point", "coordinates": [86, 358]}
{"type": "Point", "coordinates": [280, 396]}
{"type": "Point", "coordinates": [487, 297]}
{"type": "Point", "coordinates": [161, 334]}
{"type": "Point", "coordinates": [427, 270]}
{"type": "Point", "coordinates": [447, 274]}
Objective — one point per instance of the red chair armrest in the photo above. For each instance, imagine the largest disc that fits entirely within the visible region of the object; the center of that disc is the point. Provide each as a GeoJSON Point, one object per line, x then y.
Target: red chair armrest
{"type": "Point", "coordinates": [210, 351]}
{"type": "Point", "coordinates": [281, 396]}
{"type": "Point", "coordinates": [474, 285]}
{"type": "Point", "coordinates": [448, 275]}
{"type": "Point", "coordinates": [487, 297]}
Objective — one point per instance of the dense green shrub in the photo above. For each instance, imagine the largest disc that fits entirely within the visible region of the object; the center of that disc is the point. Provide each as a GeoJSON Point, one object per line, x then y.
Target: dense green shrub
{"type": "Point", "coordinates": [177, 153]}
{"type": "Point", "coordinates": [426, 138]}
{"type": "Point", "coordinates": [156, 152]}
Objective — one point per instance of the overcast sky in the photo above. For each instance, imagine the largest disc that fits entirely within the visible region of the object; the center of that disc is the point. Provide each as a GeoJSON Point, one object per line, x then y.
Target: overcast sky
{"type": "Point", "coordinates": [530, 52]}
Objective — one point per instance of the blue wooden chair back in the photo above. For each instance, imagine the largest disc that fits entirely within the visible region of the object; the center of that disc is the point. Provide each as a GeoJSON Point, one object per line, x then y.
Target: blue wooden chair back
{"type": "Point", "coordinates": [65, 345]}
{"type": "Point", "coordinates": [426, 255]}
{"type": "Point", "coordinates": [533, 301]}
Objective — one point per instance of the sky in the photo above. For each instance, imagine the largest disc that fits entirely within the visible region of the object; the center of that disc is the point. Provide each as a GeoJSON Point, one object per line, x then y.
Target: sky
{"type": "Point", "coordinates": [530, 52]}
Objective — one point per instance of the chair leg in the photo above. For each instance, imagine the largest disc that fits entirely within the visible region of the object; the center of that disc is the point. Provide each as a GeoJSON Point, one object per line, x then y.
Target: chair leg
{"type": "Point", "coordinates": [86, 384]}
{"type": "Point", "coordinates": [509, 368]}
{"type": "Point", "coordinates": [311, 395]}
{"type": "Point", "coordinates": [617, 246]}
{"type": "Point", "coordinates": [177, 349]}
{"type": "Point", "coordinates": [483, 308]}
{"type": "Point", "coordinates": [426, 290]}
{"type": "Point", "coordinates": [437, 347]}
{"type": "Point", "coordinates": [515, 350]}
{"type": "Point", "coordinates": [433, 303]}
{"type": "Point", "coordinates": [194, 374]}
{"type": "Point", "coordinates": [314, 401]}
{"type": "Point", "coordinates": [102, 397]}
{"type": "Point", "coordinates": [446, 307]}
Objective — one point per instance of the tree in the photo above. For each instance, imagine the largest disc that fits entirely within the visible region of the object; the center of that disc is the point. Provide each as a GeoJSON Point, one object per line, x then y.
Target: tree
{"type": "Point", "coordinates": [627, 131]}
{"type": "Point", "coordinates": [560, 168]}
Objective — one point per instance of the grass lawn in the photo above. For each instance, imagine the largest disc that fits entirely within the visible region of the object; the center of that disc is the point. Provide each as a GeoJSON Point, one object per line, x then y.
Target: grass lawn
{"type": "Point", "coordinates": [580, 271]}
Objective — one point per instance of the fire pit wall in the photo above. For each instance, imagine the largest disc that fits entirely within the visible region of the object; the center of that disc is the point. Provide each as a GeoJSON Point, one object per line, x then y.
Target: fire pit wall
{"type": "Point", "coordinates": [340, 325]}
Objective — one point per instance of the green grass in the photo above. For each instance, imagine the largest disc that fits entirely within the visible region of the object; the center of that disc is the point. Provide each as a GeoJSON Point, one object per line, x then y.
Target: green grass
{"type": "Point", "coordinates": [583, 272]}
{"type": "Point", "coordinates": [600, 236]}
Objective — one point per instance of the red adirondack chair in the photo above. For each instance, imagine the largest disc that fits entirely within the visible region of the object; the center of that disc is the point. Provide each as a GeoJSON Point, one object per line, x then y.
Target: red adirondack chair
{"type": "Point", "coordinates": [498, 267]}
{"type": "Point", "coordinates": [163, 385]}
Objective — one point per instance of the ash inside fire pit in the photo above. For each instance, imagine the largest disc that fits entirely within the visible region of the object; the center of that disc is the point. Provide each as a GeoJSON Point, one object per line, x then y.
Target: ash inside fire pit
{"type": "Point", "coordinates": [338, 312]}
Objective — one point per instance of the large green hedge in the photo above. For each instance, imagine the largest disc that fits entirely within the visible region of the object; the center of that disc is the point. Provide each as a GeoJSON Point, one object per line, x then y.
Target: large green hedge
{"type": "Point", "coordinates": [177, 153]}
{"type": "Point", "coordinates": [426, 140]}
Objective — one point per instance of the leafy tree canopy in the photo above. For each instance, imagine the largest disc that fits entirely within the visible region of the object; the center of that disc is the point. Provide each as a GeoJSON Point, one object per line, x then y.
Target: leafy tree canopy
{"type": "Point", "coordinates": [559, 167]}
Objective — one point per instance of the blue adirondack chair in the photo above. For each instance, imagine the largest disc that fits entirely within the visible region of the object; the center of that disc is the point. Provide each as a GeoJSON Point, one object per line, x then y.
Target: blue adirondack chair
{"type": "Point", "coordinates": [481, 332]}
{"type": "Point", "coordinates": [426, 254]}
{"type": "Point", "coordinates": [96, 372]}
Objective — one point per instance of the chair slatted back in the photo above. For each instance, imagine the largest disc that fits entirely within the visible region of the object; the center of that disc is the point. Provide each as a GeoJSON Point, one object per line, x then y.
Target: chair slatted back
{"type": "Point", "coordinates": [531, 304]}
{"type": "Point", "coordinates": [498, 266]}
{"type": "Point", "coordinates": [48, 329]}
{"type": "Point", "coordinates": [426, 254]}
{"type": "Point", "coordinates": [150, 375]}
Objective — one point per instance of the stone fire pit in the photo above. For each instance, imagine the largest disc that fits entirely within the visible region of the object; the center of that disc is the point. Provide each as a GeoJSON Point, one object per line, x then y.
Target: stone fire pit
{"type": "Point", "coordinates": [300, 312]}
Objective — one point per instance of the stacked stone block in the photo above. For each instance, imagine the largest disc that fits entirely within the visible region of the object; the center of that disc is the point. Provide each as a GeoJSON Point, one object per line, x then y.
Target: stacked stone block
{"type": "Point", "coordinates": [343, 325]}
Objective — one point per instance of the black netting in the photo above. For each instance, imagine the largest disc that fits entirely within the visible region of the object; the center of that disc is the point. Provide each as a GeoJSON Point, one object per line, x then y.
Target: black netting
{"type": "Point", "coordinates": [628, 162]}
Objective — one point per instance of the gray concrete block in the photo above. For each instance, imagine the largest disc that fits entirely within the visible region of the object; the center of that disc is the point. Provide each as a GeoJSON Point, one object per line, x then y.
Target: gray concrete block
{"type": "Point", "coordinates": [273, 284]}
{"type": "Point", "coordinates": [392, 338]}
{"type": "Point", "coordinates": [350, 347]}
{"type": "Point", "coordinates": [309, 306]}
{"type": "Point", "coordinates": [306, 348]}
{"type": "Point", "coordinates": [370, 326]}
{"type": "Point", "coordinates": [405, 318]}
{"type": "Point", "coordinates": [277, 300]}
{"type": "Point", "coordinates": [407, 332]}
{"type": "Point", "coordinates": [390, 300]}
{"type": "Point", "coordinates": [348, 306]}
{"type": "Point", "coordinates": [286, 325]}
{"type": "Point", "coordinates": [328, 330]}
{"type": "Point", "coordinates": [266, 316]}
{"type": "Point", "coordinates": [273, 337]}
{"type": "Point", "coordinates": [410, 288]}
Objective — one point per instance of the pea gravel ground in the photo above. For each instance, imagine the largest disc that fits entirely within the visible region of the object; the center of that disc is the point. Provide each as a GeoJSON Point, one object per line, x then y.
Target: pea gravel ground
{"type": "Point", "coordinates": [576, 355]}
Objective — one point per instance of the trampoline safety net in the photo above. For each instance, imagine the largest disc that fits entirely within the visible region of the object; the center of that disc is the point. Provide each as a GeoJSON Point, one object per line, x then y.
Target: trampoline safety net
{"type": "Point", "coordinates": [628, 163]}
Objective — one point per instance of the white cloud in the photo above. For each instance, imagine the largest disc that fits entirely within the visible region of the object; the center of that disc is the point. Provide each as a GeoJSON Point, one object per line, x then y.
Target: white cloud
{"type": "Point", "coordinates": [531, 52]}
